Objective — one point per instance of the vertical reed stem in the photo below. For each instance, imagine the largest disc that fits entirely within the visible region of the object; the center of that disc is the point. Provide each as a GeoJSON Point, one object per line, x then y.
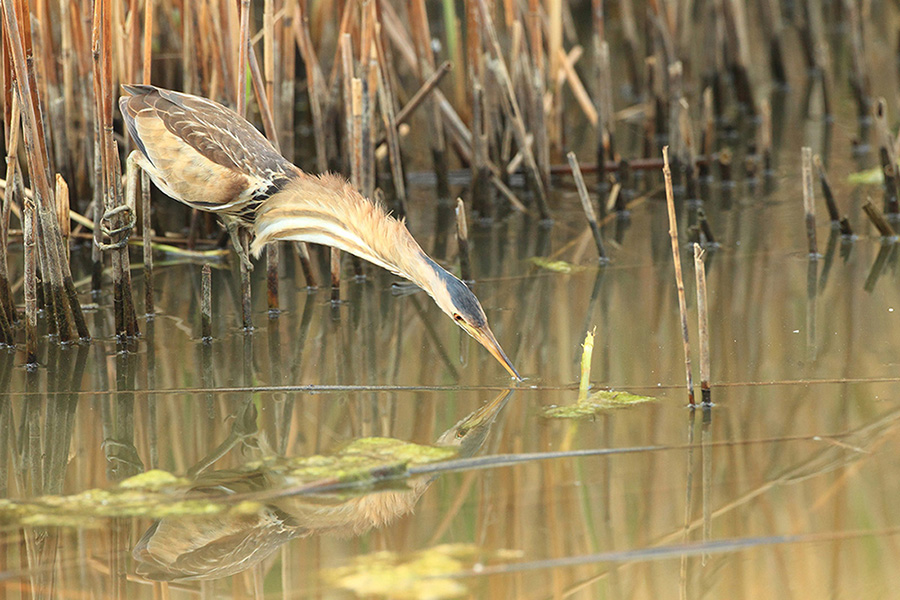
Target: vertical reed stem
{"type": "Point", "coordinates": [206, 304]}
{"type": "Point", "coordinates": [586, 205]}
{"type": "Point", "coordinates": [679, 277]}
{"type": "Point", "coordinates": [703, 321]}
{"type": "Point", "coordinates": [146, 231]}
{"type": "Point", "coordinates": [335, 275]}
{"type": "Point", "coordinates": [809, 202]}
{"type": "Point", "coordinates": [462, 240]}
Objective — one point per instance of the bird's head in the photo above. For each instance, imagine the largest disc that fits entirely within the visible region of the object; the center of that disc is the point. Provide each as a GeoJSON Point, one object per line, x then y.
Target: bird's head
{"type": "Point", "coordinates": [456, 299]}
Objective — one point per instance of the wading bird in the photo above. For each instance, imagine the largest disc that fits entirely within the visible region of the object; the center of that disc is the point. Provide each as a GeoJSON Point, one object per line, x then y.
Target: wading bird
{"type": "Point", "coordinates": [210, 158]}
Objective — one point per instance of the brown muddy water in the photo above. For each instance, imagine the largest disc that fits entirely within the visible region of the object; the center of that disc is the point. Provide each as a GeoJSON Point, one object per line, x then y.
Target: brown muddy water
{"type": "Point", "coordinates": [785, 489]}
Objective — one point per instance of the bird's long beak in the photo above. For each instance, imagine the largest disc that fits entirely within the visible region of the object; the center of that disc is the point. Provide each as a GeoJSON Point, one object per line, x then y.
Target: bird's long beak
{"type": "Point", "coordinates": [486, 338]}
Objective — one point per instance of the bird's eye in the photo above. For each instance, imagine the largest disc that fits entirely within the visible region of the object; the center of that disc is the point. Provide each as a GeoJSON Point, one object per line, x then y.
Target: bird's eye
{"type": "Point", "coordinates": [458, 317]}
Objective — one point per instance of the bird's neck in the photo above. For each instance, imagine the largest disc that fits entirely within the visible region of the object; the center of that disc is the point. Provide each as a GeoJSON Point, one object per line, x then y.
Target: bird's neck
{"type": "Point", "coordinates": [327, 210]}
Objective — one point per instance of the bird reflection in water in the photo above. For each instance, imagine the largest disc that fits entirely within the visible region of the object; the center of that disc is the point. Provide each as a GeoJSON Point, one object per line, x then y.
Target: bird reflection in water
{"type": "Point", "coordinates": [207, 548]}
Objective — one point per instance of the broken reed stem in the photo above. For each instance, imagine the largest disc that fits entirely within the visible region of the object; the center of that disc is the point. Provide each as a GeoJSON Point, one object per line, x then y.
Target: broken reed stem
{"type": "Point", "coordinates": [306, 265]}
{"type": "Point", "coordinates": [335, 276]}
{"type": "Point", "coordinates": [679, 277]}
{"type": "Point", "coordinates": [584, 384]}
{"type": "Point", "coordinates": [826, 191]}
{"type": "Point", "coordinates": [7, 305]}
{"type": "Point", "coordinates": [586, 205]}
{"type": "Point", "coordinates": [703, 324]}
{"type": "Point", "coordinates": [146, 232]}
{"type": "Point", "coordinates": [462, 240]}
{"type": "Point", "coordinates": [888, 159]}
{"type": "Point", "coordinates": [878, 220]}
{"type": "Point", "coordinates": [30, 242]}
{"type": "Point", "coordinates": [422, 93]}
{"type": "Point", "coordinates": [62, 213]}
{"type": "Point", "coordinates": [206, 304]}
{"type": "Point", "coordinates": [246, 299]}
{"type": "Point", "coordinates": [809, 201]}
{"type": "Point", "coordinates": [272, 256]}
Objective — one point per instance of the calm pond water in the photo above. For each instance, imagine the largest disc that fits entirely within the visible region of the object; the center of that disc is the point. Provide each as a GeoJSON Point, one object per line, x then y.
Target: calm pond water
{"type": "Point", "coordinates": [784, 490]}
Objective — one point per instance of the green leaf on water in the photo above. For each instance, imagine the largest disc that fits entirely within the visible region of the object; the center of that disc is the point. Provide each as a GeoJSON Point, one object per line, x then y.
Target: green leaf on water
{"type": "Point", "coordinates": [596, 403]}
{"type": "Point", "coordinates": [426, 574]}
{"type": "Point", "coordinates": [557, 266]}
{"type": "Point", "coordinates": [869, 176]}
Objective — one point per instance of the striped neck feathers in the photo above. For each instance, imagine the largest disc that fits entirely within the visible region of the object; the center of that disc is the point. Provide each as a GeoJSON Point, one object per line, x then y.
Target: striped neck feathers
{"type": "Point", "coordinates": [326, 209]}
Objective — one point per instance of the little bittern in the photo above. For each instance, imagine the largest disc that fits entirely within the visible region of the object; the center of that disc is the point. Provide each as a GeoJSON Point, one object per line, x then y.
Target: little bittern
{"type": "Point", "coordinates": [210, 158]}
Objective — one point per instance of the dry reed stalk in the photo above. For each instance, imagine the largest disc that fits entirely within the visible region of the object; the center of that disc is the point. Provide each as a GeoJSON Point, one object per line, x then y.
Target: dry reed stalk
{"type": "Point", "coordinates": [537, 80]}
{"type": "Point", "coordinates": [676, 143]}
{"type": "Point", "coordinates": [421, 34]}
{"type": "Point", "coordinates": [826, 191]}
{"type": "Point", "coordinates": [679, 277]}
{"type": "Point", "coordinates": [888, 157]}
{"type": "Point", "coordinates": [367, 125]}
{"type": "Point", "coordinates": [259, 92]}
{"type": "Point", "coordinates": [703, 325]}
{"type": "Point", "coordinates": [146, 234]}
{"type": "Point", "coordinates": [881, 224]}
{"type": "Point", "coordinates": [265, 93]}
{"type": "Point", "coordinates": [859, 74]}
{"type": "Point", "coordinates": [578, 90]}
{"type": "Point", "coordinates": [770, 11]}
{"type": "Point", "coordinates": [335, 267]}
{"type": "Point", "coordinates": [511, 107]}
{"type": "Point", "coordinates": [13, 131]}
{"type": "Point", "coordinates": [587, 205]}
{"type": "Point", "coordinates": [741, 68]}
{"type": "Point", "coordinates": [62, 212]}
{"type": "Point", "coordinates": [116, 214]}
{"type": "Point", "coordinates": [809, 201]}
{"type": "Point", "coordinates": [244, 49]}
{"type": "Point", "coordinates": [50, 243]}
{"type": "Point", "coordinates": [689, 161]}
{"type": "Point", "coordinates": [146, 229]}
{"type": "Point", "coordinates": [347, 73]}
{"type": "Point", "coordinates": [206, 304]}
{"type": "Point", "coordinates": [147, 62]}
{"type": "Point", "coordinates": [306, 265]}
{"type": "Point", "coordinates": [314, 81]}
{"type": "Point", "coordinates": [288, 80]}
{"type": "Point", "coordinates": [462, 240]}
{"type": "Point", "coordinates": [386, 102]}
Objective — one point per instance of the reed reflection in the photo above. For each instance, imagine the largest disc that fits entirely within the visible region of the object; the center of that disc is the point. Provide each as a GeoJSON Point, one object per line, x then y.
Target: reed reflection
{"type": "Point", "coordinates": [217, 546]}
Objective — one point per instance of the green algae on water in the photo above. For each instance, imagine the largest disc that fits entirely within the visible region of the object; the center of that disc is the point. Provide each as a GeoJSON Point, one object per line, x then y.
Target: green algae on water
{"type": "Point", "coordinates": [157, 494]}
{"type": "Point", "coordinates": [596, 403]}
{"type": "Point", "coordinates": [426, 574]}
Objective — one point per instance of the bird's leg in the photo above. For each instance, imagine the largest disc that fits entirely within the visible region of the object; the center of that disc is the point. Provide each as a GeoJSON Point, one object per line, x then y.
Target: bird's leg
{"type": "Point", "coordinates": [132, 172]}
{"type": "Point", "coordinates": [232, 226]}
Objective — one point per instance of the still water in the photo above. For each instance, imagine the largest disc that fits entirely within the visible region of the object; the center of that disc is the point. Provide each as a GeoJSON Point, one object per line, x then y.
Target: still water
{"type": "Point", "coordinates": [786, 489]}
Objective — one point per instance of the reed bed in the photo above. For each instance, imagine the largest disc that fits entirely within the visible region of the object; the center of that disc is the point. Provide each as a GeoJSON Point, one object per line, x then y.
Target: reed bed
{"type": "Point", "coordinates": [335, 85]}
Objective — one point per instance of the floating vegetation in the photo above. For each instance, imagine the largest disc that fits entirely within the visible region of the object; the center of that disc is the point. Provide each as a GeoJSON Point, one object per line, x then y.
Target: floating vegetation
{"type": "Point", "coordinates": [557, 266]}
{"type": "Point", "coordinates": [597, 402]}
{"type": "Point", "coordinates": [158, 494]}
{"type": "Point", "coordinates": [363, 461]}
{"type": "Point", "coordinates": [428, 573]}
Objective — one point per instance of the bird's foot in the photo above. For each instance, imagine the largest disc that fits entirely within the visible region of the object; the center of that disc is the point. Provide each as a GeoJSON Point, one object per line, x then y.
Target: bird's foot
{"type": "Point", "coordinates": [123, 232]}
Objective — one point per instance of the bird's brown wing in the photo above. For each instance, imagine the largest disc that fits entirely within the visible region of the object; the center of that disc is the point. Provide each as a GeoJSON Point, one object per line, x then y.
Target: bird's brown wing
{"type": "Point", "coordinates": [201, 152]}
